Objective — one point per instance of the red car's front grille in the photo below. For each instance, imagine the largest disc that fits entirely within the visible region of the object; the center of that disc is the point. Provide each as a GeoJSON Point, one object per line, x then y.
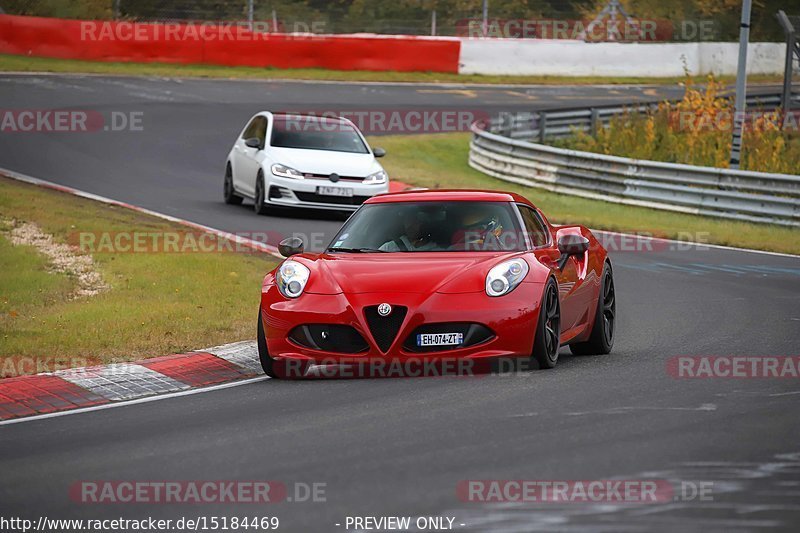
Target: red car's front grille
{"type": "Point", "coordinates": [384, 329]}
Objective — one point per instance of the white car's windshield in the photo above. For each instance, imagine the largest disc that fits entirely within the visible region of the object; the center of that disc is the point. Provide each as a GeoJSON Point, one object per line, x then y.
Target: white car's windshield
{"type": "Point", "coordinates": [315, 133]}
{"type": "Point", "coordinates": [431, 227]}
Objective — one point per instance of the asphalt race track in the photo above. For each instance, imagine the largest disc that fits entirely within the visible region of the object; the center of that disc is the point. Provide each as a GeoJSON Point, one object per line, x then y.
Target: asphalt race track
{"type": "Point", "coordinates": [401, 446]}
{"type": "Point", "coordinates": [176, 163]}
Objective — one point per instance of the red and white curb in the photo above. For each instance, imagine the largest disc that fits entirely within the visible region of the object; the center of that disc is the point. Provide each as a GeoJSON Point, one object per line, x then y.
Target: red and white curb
{"type": "Point", "coordinates": [91, 387]}
{"type": "Point", "coordinates": [77, 388]}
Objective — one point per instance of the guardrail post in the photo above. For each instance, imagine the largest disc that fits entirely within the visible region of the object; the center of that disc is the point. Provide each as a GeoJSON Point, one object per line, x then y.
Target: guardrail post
{"type": "Point", "coordinates": [506, 123]}
{"type": "Point", "coordinates": [595, 120]}
{"type": "Point", "coordinates": [542, 125]}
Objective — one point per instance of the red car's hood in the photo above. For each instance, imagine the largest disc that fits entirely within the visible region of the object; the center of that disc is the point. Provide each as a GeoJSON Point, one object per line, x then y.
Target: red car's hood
{"type": "Point", "coordinates": [417, 272]}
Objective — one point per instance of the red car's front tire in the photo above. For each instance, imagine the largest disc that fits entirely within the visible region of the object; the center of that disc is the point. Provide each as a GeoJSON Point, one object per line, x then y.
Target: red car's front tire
{"type": "Point", "coordinates": [267, 362]}
{"type": "Point", "coordinates": [547, 341]}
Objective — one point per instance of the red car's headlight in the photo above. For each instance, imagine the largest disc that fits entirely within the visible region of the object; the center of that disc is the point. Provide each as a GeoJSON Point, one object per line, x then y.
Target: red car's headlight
{"type": "Point", "coordinates": [291, 278]}
{"type": "Point", "coordinates": [504, 277]}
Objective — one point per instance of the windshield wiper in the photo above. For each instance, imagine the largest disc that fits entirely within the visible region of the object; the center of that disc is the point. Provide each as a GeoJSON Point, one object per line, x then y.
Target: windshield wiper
{"type": "Point", "coordinates": [356, 250]}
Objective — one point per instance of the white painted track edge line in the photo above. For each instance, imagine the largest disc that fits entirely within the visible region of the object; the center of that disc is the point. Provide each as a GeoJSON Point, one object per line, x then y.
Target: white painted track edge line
{"type": "Point", "coordinates": [146, 399]}
{"type": "Point", "coordinates": [260, 246]}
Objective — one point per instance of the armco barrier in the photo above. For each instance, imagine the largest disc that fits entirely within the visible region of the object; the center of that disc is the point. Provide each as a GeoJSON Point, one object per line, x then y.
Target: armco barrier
{"type": "Point", "coordinates": [733, 194]}
{"type": "Point", "coordinates": [215, 45]}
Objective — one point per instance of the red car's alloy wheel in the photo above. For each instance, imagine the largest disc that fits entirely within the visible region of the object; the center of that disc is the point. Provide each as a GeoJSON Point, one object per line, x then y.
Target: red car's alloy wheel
{"type": "Point", "coordinates": [548, 333]}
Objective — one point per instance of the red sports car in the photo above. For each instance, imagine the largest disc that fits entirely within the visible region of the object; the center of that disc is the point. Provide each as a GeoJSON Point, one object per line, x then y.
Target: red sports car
{"type": "Point", "coordinates": [454, 277]}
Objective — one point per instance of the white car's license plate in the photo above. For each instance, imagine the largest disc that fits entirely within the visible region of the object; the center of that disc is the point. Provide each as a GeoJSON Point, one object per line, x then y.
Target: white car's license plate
{"type": "Point", "coordinates": [335, 191]}
{"type": "Point", "coordinates": [439, 339]}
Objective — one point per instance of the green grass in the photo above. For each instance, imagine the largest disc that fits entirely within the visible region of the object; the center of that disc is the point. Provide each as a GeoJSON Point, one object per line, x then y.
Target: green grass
{"type": "Point", "coordinates": [442, 163]}
{"type": "Point", "coordinates": [159, 303]}
{"type": "Point", "coordinates": [12, 63]}
{"type": "Point", "coordinates": [30, 279]}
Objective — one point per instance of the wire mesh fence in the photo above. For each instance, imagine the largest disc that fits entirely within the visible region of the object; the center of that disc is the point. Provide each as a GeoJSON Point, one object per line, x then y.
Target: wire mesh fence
{"type": "Point", "coordinates": [681, 20]}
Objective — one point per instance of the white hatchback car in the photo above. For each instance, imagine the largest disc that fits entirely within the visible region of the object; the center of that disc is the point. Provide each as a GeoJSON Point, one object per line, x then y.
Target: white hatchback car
{"type": "Point", "coordinates": [303, 161]}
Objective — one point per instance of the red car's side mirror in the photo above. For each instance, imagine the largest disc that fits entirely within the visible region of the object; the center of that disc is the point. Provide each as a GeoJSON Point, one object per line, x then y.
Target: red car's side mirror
{"type": "Point", "coordinates": [570, 245]}
{"type": "Point", "coordinates": [291, 246]}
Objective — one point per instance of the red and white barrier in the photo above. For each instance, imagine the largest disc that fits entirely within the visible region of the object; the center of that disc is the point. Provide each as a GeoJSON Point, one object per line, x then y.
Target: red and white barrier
{"type": "Point", "coordinates": [224, 45]}
{"type": "Point", "coordinates": [230, 45]}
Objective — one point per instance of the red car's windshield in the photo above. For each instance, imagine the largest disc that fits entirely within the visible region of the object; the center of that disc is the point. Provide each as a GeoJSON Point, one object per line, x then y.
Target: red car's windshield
{"type": "Point", "coordinates": [431, 227]}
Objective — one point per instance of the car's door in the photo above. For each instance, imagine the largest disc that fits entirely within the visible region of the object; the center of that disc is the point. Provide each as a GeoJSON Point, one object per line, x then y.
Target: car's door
{"type": "Point", "coordinates": [245, 164]}
{"type": "Point", "coordinates": [568, 278]}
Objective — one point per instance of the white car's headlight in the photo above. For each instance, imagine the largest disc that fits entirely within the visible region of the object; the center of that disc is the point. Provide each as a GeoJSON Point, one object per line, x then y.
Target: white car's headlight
{"type": "Point", "coordinates": [504, 277]}
{"type": "Point", "coordinates": [286, 172]}
{"type": "Point", "coordinates": [292, 278]}
{"type": "Point", "coordinates": [377, 177]}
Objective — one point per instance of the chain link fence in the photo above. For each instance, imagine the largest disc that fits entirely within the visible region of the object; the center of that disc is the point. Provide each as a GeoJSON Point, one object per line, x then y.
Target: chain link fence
{"type": "Point", "coordinates": [687, 20]}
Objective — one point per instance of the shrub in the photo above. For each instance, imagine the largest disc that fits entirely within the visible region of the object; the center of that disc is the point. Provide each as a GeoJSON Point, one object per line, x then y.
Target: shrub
{"type": "Point", "coordinates": [697, 131]}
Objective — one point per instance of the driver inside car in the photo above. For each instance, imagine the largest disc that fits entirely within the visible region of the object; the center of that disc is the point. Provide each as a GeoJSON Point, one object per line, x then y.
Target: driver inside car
{"type": "Point", "coordinates": [415, 236]}
{"type": "Point", "coordinates": [480, 229]}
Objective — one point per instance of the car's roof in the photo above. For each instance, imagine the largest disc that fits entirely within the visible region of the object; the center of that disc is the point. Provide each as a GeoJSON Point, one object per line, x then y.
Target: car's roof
{"type": "Point", "coordinates": [448, 195]}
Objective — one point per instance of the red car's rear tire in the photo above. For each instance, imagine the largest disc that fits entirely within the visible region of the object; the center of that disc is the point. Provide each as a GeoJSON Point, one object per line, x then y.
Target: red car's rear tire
{"type": "Point", "coordinates": [547, 341]}
{"type": "Point", "coordinates": [601, 339]}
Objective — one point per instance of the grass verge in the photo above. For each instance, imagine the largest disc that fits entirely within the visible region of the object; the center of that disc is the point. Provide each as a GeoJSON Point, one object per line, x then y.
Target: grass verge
{"type": "Point", "coordinates": [443, 164]}
{"type": "Point", "coordinates": [159, 303]}
{"type": "Point", "coordinates": [13, 63]}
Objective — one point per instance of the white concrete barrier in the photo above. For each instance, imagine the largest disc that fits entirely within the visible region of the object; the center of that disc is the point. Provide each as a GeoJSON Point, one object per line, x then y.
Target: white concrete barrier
{"type": "Point", "coordinates": [575, 58]}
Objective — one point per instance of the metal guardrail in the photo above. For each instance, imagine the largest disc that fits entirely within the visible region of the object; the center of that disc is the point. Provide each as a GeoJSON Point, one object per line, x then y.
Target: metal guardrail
{"type": "Point", "coordinates": [563, 122]}
{"type": "Point", "coordinates": [505, 152]}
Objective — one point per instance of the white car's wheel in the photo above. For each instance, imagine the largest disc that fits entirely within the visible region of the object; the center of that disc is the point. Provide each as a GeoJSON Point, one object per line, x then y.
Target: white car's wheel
{"type": "Point", "coordinates": [260, 205]}
{"type": "Point", "coordinates": [229, 194]}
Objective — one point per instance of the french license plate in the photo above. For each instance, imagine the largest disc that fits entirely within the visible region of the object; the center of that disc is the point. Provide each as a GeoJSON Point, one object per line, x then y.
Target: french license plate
{"type": "Point", "coordinates": [335, 191]}
{"type": "Point", "coordinates": [439, 339]}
